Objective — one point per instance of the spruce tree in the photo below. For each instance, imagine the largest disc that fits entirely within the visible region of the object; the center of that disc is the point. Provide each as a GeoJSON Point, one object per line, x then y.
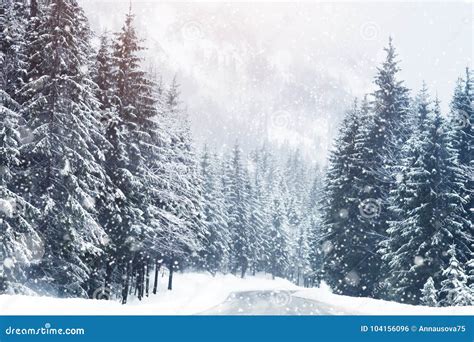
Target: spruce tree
{"type": "Point", "coordinates": [131, 129]}
{"type": "Point", "coordinates": [296, 181]}
{"type": "Point", "coordinates": [383, 130]}
{"type": "Point", "coordinates": [278, 233]}
{"type": "Point", "coordinates": [62, 156]}
{"type": "Point", "coordinates": [313, 222]}
{"type": "Point", "coordinates": [184, 181]}
{"type": "Point", "coordinates": [261, 219]}
{"type": "Point", "coordinates": [454, 290]}
{"type": "Point", "coordinates": [462, 141]}
{"type": "Point", "coordinates": [238, 211]}
{"type": "Point", "coordinates": [426, 208]}
{"type": "Point", "coordinates": [347, 244]}
{"type": "Point", "coordinates": [20, 243]}
{"type": "Point", "coordinates": [216, 253]}
{"type": "Point", "coordinates": [14, 19]}
{"type": "Point", "coordinates": [429, 293]}
{"type": "Point", "coordinates": [104, 74]}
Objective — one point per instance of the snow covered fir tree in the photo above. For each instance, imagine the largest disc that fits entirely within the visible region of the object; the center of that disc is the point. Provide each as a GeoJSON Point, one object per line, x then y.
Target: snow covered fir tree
{"type": "Point", "coordinates": [103, 187]}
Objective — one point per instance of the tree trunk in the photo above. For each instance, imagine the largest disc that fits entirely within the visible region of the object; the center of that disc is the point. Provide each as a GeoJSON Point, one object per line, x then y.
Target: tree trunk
{"type": "Point", "coordinates": [244, 269]}
{"type": "Point", "coordinates": [170, 277]}
{"type": "Point", "coordinates": [147, 279]}
{"type": "Point", "coordinates": [140, 282]}
{"type": "Point", "coordinates": [108, 276]}
{"type": "Point", "coordinates": [155, 283]}
{"type": "Point", "coordinates": [125, 283]}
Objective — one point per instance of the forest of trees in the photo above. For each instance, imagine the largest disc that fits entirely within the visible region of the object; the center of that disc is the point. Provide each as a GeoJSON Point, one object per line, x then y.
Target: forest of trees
{"type": "Point", "coordinates": [101, 184]}
{"type": "Point", "coordinates": [397, 211]}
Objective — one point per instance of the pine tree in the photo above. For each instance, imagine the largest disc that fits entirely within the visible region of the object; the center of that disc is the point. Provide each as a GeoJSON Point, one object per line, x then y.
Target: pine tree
{"type": "Point", "coordinates": [258, 220]}
{"type": "Point", "coordinates": [62, 155]}
{"type": "Point", "coordinates": [296, 182]}
{"type": "Point", "coordinates": [461, 116]}
{"type": "Point", "coordinates": [261, 219]}
{"type": "Point", "coordinates": [426, 208]}
{"type": "Point", "coordinates": [429, 294]}
{"type": "Point", "coordinates": [13, 46]}
{"type": "Point", "coordinates": [278, 234]}
{"type": "Point", "coordinates": [238, 206]}
{"type": "Point", "coordinates": [131, 129]}
{"type": "Point", "coordinates": [470, 281]}
{"type": "Point", "coordinates": [314, 233]}
{"type": "Point", "coordinates": [184, 182]}
{"type": "Point", "coordinates": [462, 142]}
{"type": "Point", "coordinates": [104, 74]}
{"type": "Point", "coordinates": [20, 244]}
{"type": "Point", "coordinates": [216, 253]}
{"type": "Point", "coordinates": [348, 245]}
{"type": "Point", "coordinates": [383, 130]}
{"type": "Point", "coordinates": [454, 290]}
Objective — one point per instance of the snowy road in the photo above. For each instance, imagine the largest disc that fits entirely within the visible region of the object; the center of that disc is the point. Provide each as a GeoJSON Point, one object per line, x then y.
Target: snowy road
{"type": "Point", "coordinates": [271, 303]}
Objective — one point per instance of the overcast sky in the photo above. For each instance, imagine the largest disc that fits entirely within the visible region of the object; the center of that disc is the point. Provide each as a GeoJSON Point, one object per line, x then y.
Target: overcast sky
{"type": "Point", "coordinates": [285, 71]}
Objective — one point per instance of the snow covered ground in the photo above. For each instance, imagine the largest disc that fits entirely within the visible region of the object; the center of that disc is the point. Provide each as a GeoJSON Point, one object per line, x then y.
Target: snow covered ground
{"type": "Point", "coordinates": [224, 294]}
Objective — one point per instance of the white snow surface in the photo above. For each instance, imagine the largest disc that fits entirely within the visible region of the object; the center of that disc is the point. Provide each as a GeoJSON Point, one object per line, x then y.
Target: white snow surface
{"type": "Point", "coordinates": [369, 306]}
{"type": "Point", "coordinates": [195, 293]}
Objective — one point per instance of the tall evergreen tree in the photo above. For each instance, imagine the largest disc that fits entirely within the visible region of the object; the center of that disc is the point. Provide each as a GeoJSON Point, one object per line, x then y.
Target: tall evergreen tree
{"type": "Point", "coordinates": [62, 154]}
{"type": "Point", "coordinates": [184, 182]}
{"type": "Point", "coordinates": [14, 18]}
{"type": "Point", "coordinates": [348, 252]}
{"type": "Point", "coordinates": [215, 256]}
{"type": "Point", "coordinates": [278, 234]}
{"type": "Point", "coordinates": [462, 142]}
{"type": "Point", "coordinates": [297, 184]}
{"type": "Point", "coordinates": [426, 208]}
{"type": "Point", "coordinates": [261, 219]}
{"type": "Point", "coordinates": [104, 74]}
{"type": "Point", "coordinates": [314, 231]}
{"type": "Point", "coordinates": [454, 290]}
{"type": "Point", "coordinates": [20, 244]}
{"type": "Point", "coordinates": [131, 129]}
{"type": "Point", "coordinates": [238, 207]}
{"type": "Point", "coordinates": [383, 131]}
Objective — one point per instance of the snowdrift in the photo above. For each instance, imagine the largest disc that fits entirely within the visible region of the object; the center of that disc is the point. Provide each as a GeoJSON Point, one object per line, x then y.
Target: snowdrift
{"type": "Point", "coordinates": [195, 293]}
